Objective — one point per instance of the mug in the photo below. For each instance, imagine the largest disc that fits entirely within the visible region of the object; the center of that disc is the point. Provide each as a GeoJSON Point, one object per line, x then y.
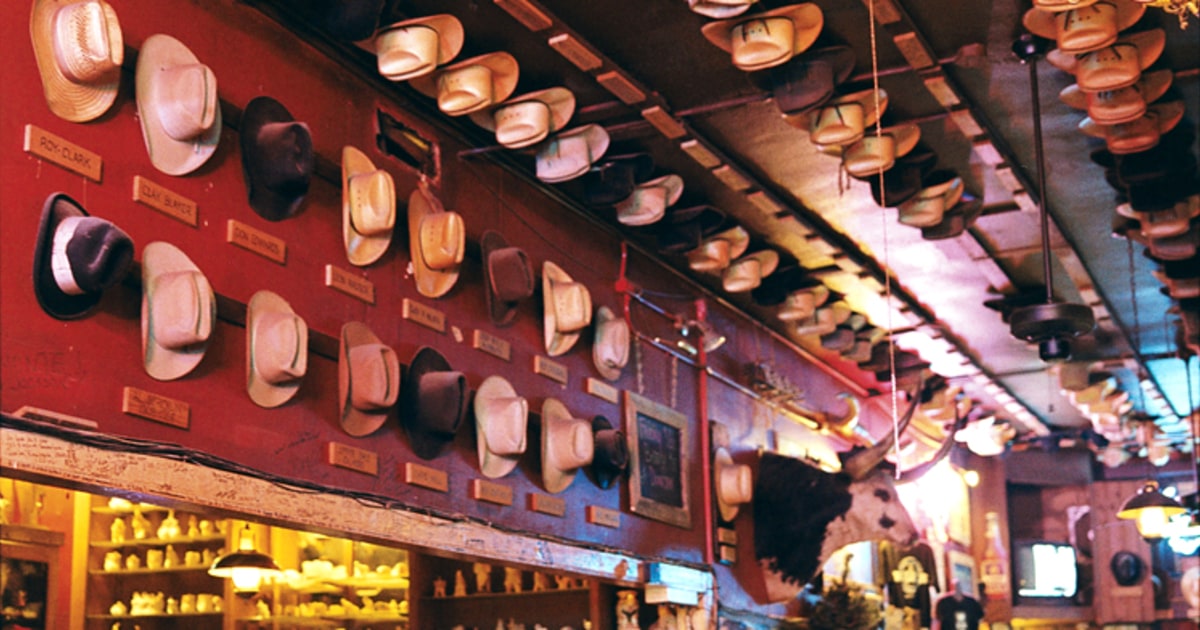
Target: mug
{"type": "Point", "coordinates": [154, 558]}
{"type": "Point", "coordinates": [203, 602]}
{"type": "Point", "coordinates": [187, 603]}
{"type": "Point", "coordinates": [191, 558]}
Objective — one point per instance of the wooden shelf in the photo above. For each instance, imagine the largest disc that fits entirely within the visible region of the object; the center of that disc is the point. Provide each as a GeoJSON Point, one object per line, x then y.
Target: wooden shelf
{"type": "Point", "coordinates": [157, 542]}
{"type": "Point", "coordinates": [156, 616]}
{"type": "Point", "coordinates": [144, 509]}
{"type": "Point", "coordinates": [183, 569]}
{"type": "Point", "coordinates": [382, 583]}
{"type": "Point", "coordinates": [553, 591]}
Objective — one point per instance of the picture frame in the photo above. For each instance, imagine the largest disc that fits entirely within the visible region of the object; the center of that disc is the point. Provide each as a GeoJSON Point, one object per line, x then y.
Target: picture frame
{"type": "Point", "coordinates": [660, 463]}
{"type": "Point", "coordinates": [961, 571]}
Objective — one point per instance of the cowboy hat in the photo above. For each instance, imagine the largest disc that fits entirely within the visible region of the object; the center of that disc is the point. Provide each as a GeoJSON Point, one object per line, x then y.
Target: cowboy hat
{"type": "Point", "coordinates": [802, 304]}
{"type": "Point", "coordinates": [368, 380]}
{"type": "Point", "coordinates": [527, 119]}
{"type": "Point", "coordinates": [1061, 5]}
{"type": "Point", "coordinates": [507, 277]}
{"type": "Point", "coordinates": [79, 51]}
{"type": "Point", "coordinates": [774, 289]}
{"type": "Point", "coordinates": [277, 158]}
{"type": "Point", "coordinates": [843, 120]}
{"type": "Point", "coordinates": [1086, 26]}
{"type": "Point", "coordinates": [943, 190]}
{"type": "Point", "coordinates": [179, 311]}
{"type": "Point", "coordinates": [807, 82]}
{"type": "Point", "coordinates": [567, 446]}
{"type": "Point", "coordinates": [413, 48]}
{"type": "Point", "coordinates": [716, 252]}
{"type": "Point", "coordinates": [1160, 193]}
{"type": "Point", "coordinates": [649, 200]}
{"type": "Point", "coordinates": [1137, 135]}
{"type": "Point", "coordinates": [610, 346]}
{"type": "Point", "coordinates": [569, 154]}
{"type": "Point", "coordinates": [824, 320]}
{"type": "Point", "coordinates": [471, 85]}
{"type": "Point", "coordinates": [748, 272]}
{"type": "Point", "coordinates": [865, 341]}
{"type": "Point", "coordinates": [614, 178]}
{"type": "Point", "coordinates": [733, 484]}
{"type": "Point", "coordinates": [956, 220]}
{"type": "Point", "coordinates": [567, 309]}
{"type": "Point", "coordinates": [500, 419]}
{"type": "Point", "coordinates": [720, 9]}
{"type": "Point", "coordinates": [276, 349]}
{"type": "Point", "coordinates": [611, 452]}
{"type": "Point", "coordinates": [1170, 222]}
{"type": "Point", "coordinates": [1112, 67]}
{"type": "Point", "coordinates": [1121, 105]}
{"type": "Point", "coordinates": [683, 229]}
{"type": "Point", "coordinates": [873, 153]}
{"type": "Point", "coordinates": [351, 20]}
{"type": "Point", "coordinates": [368, 208]}
{"type": "Point", "coordinates": [433, 403]}
{"type": "Point", "coordinates": [75, 258]}
{"type": "Point", "coordinates": [437, 242]}
{"type": "Point", "coordinates": [767, 39]}
{"type": "Point", "coordinates": [177, 105]}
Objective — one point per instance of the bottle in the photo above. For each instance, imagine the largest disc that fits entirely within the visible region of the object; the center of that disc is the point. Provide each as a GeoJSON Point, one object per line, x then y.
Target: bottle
{"type": "Point", "coordinates": [994, 570]}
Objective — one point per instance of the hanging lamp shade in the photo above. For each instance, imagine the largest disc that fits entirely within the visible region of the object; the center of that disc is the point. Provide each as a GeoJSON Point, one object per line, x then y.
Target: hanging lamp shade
{"type": "Point", "coordinates": [246, 566]}
{"type": "Point", "coordinates": [1150, 510]}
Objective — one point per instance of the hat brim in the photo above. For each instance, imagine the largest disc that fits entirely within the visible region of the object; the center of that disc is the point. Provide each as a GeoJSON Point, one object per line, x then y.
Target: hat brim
{"type": "Point", "coordinates": [806, 17]}
{"type": "Point", "coordinates": [267, 202]}
{"type": "Point", "coordinates": [492, 465]}
{"type": "Point", "coordinates": [556, 343]}
{"type": "Point", "coordinates": [71, 101]}
{"type": "Point", "coordinates": [425, 443]}
{"type": "Point", "coordinates": [262, 392]}
{"type": "Point", "coordinates": [52, 299]}
{"type": "Point", "coordinates": [173, 157]}
{"type": "Point", "coordinates": [554, 480]}
{"type": "Point", "coordinates": [501, 313]}
{"type": "Point", "coordinates": [361, 249]}
{"type": "Point", "coordinates": [354, 421]}
{"type": "Point", "coordinates": [559, 100]}
{"type": "Point", "coordinates": [504, 73]}
{"type": "Point", "coordinates": [431, 283]}
{"type": "Point", "coordinates": [162, 363]}
{"type": "Point", "coordinates": [604, 318]}
{"type": "Point", "coordinates": [450, 38]}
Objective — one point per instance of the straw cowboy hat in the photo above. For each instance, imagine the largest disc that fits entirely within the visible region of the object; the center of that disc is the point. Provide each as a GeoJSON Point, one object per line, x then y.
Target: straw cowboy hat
{"type": "Point", "coordinates": [1140, 134]}
{"type": "Point", "coordinates": [507, 277]}
{"type": "Point", "coordinates": [1121, 105]}
{"type": "Point", "coordinates": [412, 48]}
{"type": "Point", "coordinates": [177, 105]}
{"type": "Point", "coordinates": [943, 190]}
{"type": "Point", "coordinates": [1061, 5]}
{"type": "Point", "coordinates": [802, 304]}
{"type": "Point", "coordinates": [567, 309]}
{"type": "Point", "coordinates": [1085, 27]}
{"type": "Point", "coordinates": [368, 380]}
{"type": "Point", "coordinates": [433, 403]}
{"type": "Point", "coordinates": [500, 421]}
{"type": "Point", "coordinates": [614, 178]}
{"type": "Point", "coordinates": [569, 154]}
{"type": "Point", "coordinates": [527, 119]}
{"type": "Point", "coordinates": [843, 120]}
{"type": "Point", "coordinates": [277, 158]}
{"type": "Point", "coordinates": [733, 483]}
{"type": "Point", "coordinates": [368, 208]}
{"type": "Point", "coordinates": [437, 242]}
{"type": "Point", "coordinates": [567, 446]}
{"type": "Point", "coordinates": [179, 311]}
{"type": "Point", "coordinates": [610, 346]}
{"type": "Point", "coordinates": [276, 349]}
{"type": "Point", "coordinates": [874, 153]}
{"type": "Point", "coordinates": [767, 39]}
{"type": "Point", "coordinates": [1115, 66]}
{"type": "Point", "coordinates": [471, 85]}
{"type": "Point", "coordinates": [79, 51]}
{"type": "Point", "coordinates": [1170, 222]}
{"type": "Point", "coordinates": [720, 9]}
{"type": "Point", "coordinates": [747, 272]}
{"type": "Point", "coordinates": [610, 457]}
{"type": "Point", "coordinates": [824, 320]}
{"type": "Point", "coordinates": [649, 200]}
{"type": "Point", "coordinates": [76, 257]}
{"type": "Point", "coordinates": [718, 250]}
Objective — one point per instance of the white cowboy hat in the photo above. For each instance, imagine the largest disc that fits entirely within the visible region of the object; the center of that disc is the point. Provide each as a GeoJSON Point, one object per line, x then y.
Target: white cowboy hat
{"type": "Point", "coordinates": [471, 85]}
{"type": "Point", "coordinates": [500, 421]}
{"type": "Point", "coordinates": [767, 39]}
{"type": "Point", "coordinates": [733, 483]}
{"type": "Point", "coordinates": [567, 445]}
{"type": "Point", "coordinates": [874, 153]}
{"type": "Point", "coordinates": [412, 48]}
{"type": "Point", "coordinates": [177, 104]}
{"type": "Point", "coordinates": [368, 380]}
{"type": "Point", "coordinates": [569, 154]}
{"type": "Point", "coordinates": [276, 349]}
{"type": "Point", "coordinates": [610, 347]}
{"type": "Point", "coordinates": [720, 9]}
{"type": "Point", "coordinates": [844, 119]}
{"type": "Point", "coordinates": [527, 119]}
{"type": "Point", "coordinates": [437, 242]}
{"type": "Point", "coordinates": [79, 51]}
{"type": "Point", "coordinates": [567, 309]}
{"type": "Point", "coordinates": [747, 272]}
{"type": "Point", "coordinates": [649, 200]}
{"type": "Point", "coordinates": [179, 312]}
{"type": "Point", "coordinates": [368, 208]}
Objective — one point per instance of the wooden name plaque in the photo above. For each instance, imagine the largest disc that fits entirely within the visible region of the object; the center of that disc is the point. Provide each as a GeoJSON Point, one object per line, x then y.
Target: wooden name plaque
{"type": "Point", "coordinates": [165, 201]}
{"type": "Point", "coordinates": [491, 344]}
{"type": "Point", "coordinates": [602, 390]}
{"type": "Point", "coordinates": [603, 517]}
{"type": "Point", "coordinates": [353, 458]}
{"type": "Point", "coordinates": [151, 406]}
{"type": "Point", "coordinates": [426, 477]}
{"type": "Point", "coordinates": [67, 154]}
{"type": "Point", "coordinates": [552, 370]}
{"type": "Point", "coordinates": [426, 316]}
{"type": "Point", "coordinates": [547, 504]}
{"type": "Point", "coordinates": [491, 492]}
{"type": "Point", "coordinates": [257, 241]}
{"type": "Point", "coordinates": [350, 284]}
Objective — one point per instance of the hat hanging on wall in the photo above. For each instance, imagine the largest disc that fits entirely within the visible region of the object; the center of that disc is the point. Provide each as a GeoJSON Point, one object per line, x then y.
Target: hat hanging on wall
{"type": "Point", "coordinates": [471, 85]}
{"type": "Point", "coordinates": [610, 457]}
{"type": "Point", "coordinates": [507, 277]}
{"type": "Point", "coordinates": [277, 158]}
{"type": "Point", "coordinates": [501, 417]}
{"type": "Point", "coordinates": [276, 349]}
{"type": "Point", "coordinates": [747, 272]}
{"type": "Point", "coordinates": [177, 105]}
{"type": "Point", "coordinates": [79, 51]}
{"type": "Point", "coordinates": [1137, 135]}
{"type": "Point", "coordinates": [733, 484]}
{"type": "Point", "coordinates": [569, 154]}
{"type": "Point", "coordinates": [351, 20]}
{"type": "Point", "coordinates": [567, 309]}
{"type": "Point", "coordinates": [413, 48]}
{"type": "Point", "coordinates": [437, 242]}
{"type": "Point", "coordinates": [433, 403]}
{"type": "Point", "coordinates": [1087, 26]}
{"type": "Point", "coordinates": [1123, 105]}
{"type": "Point", "coordinates": [1112, 67]}
{"type": "Point", "coordinates": [612, 179]}
{"type": "Point", "coordinates": [610, 347]}
{"type": "Point", "coordinates": [767, 39]}
{"type": "Point", "coordinates": [368, 380]}
{"type": "Point", "coordinates": [567, 445]}
{"type": "Point", "coordinates": [649, 200]}
{"type": "Point", "coordinates": [873, 153]}
{"type": "Point", "coordinates": [527, 119]}
{"type": "Point", "coordinates": [943, 190]}
{"type": "Point", "coordinates": [720, 9]}
{"type": "Point", "coordinates": [179, 312]}
{"type": "Point", "coordinates": [75, 258]}
{"type": "Point", "coordinates": [717, 251]}
{"type": "Point", "coordinates": [368, 208]}
{"type": "Point", "coordinates": [808, 81]}
{"type": "Point", "coordinates": [844, 120]}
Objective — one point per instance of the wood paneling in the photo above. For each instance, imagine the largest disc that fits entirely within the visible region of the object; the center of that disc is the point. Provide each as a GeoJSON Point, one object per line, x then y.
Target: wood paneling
{"type": "Point", "coordinates": [1115, 603]}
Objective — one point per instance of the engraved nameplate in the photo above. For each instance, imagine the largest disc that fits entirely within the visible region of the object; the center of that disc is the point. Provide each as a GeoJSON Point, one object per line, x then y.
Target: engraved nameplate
{"type": "Point", "coordinates": [257, 241]}
{"type": "Point", "coordinates": [547, 504]}
{"type": "Point", "coordinates": [552, 370]}
{"type": "Point", "coordinates": [483, 490]}
{"type": "Point", "coordinates": [350, 284]}
{"type": "Point", "coordinates": [491, 344]}
{"type": "Point", "coordinates": [144, 404]}
{"type": "Point", "coordinates": [727, 554]}
{"type": "Point", "coordinates": [426, 477]}
{"type": "Point", "coordinates": [62, 152]}
{"type": "Point", "coordinates": [726, 536]}
{"type": "Point", "coordinates": [353, 458]}
{"type": "Point", "coordinates": [165, 201]}
{"type": "Point", "coordinates": [603, 517]}
{"type": "Point", "coordinates": [420, 314]}
{"type": "Point", "coordinates": [602, 390]}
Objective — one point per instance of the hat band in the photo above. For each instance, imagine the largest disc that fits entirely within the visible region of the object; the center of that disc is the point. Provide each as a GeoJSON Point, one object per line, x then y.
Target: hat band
{"type": "Point", "coordinates": [60, 262]}
{"type": "Point", "coordinates": [407, 51]}
{"type": "Point", "coordinates": [87, 41]}
{"type": "Point", "coordinates": [372, 203]}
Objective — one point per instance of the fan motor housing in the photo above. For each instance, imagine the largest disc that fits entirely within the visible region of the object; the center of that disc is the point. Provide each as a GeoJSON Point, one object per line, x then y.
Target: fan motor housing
{"type": "Point", "coordinates": [1051, 325]}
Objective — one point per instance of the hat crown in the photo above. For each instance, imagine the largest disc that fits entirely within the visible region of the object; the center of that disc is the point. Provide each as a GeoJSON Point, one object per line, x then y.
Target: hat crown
{"type": "Point", "coordinates": [612, 347]}
{"type": "Point", "coordinates": [735, 485]}
{"type": "Point", "coordinates": [573, 444]}
{"type": "Point", "coordinates": [572, 306]}
{"type": "Point", "coordinates": [759, 42]}
{"type": "Point", "coordinates": [87, 41]}
{"type": "Point", "coordinates": [187, 95]}
{"type": "Point", "coordinates": [1086, 28]}
{"type": "Point", "coordinates": [182, 309]}
{"type": "Point", "coordinates": [465, 89]}
{"type": "Point", "coordinates": [838, 123]}
{"type": "Point", "coordinates": [441, 400]}
{"type": "Point", "coordinates": [504, 430]}
{"type": "Point", "coordinates": [374, 376]}
{"type": "Point", "coordinates": [372, 202]}
{"type": "Point", "coordinates": [510, 274]}
{"type": "Point", "coordinates": [1110, 68]}
{"type": "Point", "coordinates": [609, 448]}
{"type": "Point", "coordinates": [712, 255]}
{"type": "Point", "coordinates": [522, 124]}
{"type": "Point", "coordinates": [565, 157]}
{"type": "Point", "coordinates": [407, 51]}
{"type": "Point", "coordinates": [89, 255]}
{"type": "Point", "coordinates": [280, 346]}
{"type": "Point", "coordinates": [443, 240]}
{"type": "Point", "coordinates": [286, 156]}
{"type": "Point", "coordinates": [646, 204]}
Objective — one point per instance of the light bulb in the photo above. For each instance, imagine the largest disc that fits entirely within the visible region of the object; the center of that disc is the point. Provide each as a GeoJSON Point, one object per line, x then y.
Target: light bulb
{"type": "Point", "coordinates": [246, 579]}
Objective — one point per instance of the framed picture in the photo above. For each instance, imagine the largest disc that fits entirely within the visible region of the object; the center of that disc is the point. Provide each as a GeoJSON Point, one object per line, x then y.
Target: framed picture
{"type": "Point", "coordinates": [658, 448]}
{"type": "Point", "coordinates": [962, 573]}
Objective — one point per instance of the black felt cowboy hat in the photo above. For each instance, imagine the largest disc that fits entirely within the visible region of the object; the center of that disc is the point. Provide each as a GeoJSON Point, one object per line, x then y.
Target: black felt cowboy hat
{"type": "Point", "coordinates": [277, 158]}
{"type": "Point", "coordinates": [76, 257]}
{"type": "Point", "coordinates": [507, 277]}
{"type": "Point", "coordinates": [351, 20]}
{"type": "Point", "coordinates": [614, 178]}
{"type": "Point", "coordinates": [683, 229]}
{"type": "Point", "coordinates": [808, 81]}
{"type": "Point", "coordinates": [611, 457]}
{"type": "Point", "coordinates": [433, 403]}
{"type": "Point", "coordinates": [775, 288]}
{"type": "Point", "coordinates": [904, 180]}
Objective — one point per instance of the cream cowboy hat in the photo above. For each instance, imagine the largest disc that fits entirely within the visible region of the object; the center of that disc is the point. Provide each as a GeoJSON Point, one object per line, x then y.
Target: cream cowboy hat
{"type": "Point", "coordinates": [567, 309]}
{"type": "Point", "coordinates": [276, 350]}
{"type": "Point", "coordinates": [1061, 5]}
{"type": "Point", "coordinates": [874, 153]}
{"type": "Point", "coordinates": [368, 208]}
{"type": "Point", "coordinates": [569, 154]}
{"type": "Point", "coordinates": [943, 190]}
{"type": "Point", "coordinates": [720, 9]}
{"type": "Point", "coordinates": [368, 380]}
{"type": "Point", "coordinates": [567, 445]}
{"type": "Point", "coordinates": [79, 51]}
{"type": "Point", "coordinates": [610, 346]}
{"type": "Point", "coordinates": [1138, 135]}
{"type": "Point", "coordinates": [412, 48]}
{"type": "Point", "coordinates": [1122, 105]}
{"type": "Point", "coordinates": [500, 420]}
{"type": "Point", "coordinates": [177, 104]}
{"type": "Point", "coordinates": [1085, 27]}
{"type": "Point", "coordinates": [179, 312]}
{"type": "Point", "coordinates": [437, 242]}
{"type": "Point", "coordinates": [767, 39]}
{"type": "Point", "coordinates": [1115, 66]}
{"type": "Point", "coordinates": [733, 484]}
{"type": "Point", "coordinates": [716, 252]}
{"type": "Point", "coordinates": [747, 272]}
{"type": "Point", "coordinates": [471, 85]}
{"type": "Point", "coordinates": [844, 119]}
{"type": "Point", "coordinates": [650, 200]}
{"type": "Point", "coordinates": [803, 303]}
{"type": "Point", "coordinates": [527, 119]}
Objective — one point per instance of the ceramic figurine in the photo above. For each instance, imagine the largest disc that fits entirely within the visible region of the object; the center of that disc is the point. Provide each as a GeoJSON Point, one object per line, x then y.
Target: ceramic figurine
{"type": "Point", "coordinates": [483, 577]}
{"type": "Point", "coordinates": [439, 586]}
{"type": "Point", "coordinates": [460, 584]}
{"type": "Point", "coordinates": [540, 582]}
{"type": "Point", "coordinates": [112, 561]}
{"type": "Point", "coordinates": [218, 604]}
{"type": "Point", "coordinates": [264, 611]}
{"type": "Point", "coordinates": [133, 562]}
{"type": "Point", "coordinates": [187, 603]}
{"type": "Point", "coordinates": [191, 557]}
{"type": "Point", "coordinates": [207, 556]}
{"type": "Point", "coordinates": [627, 610]}
{"type": "Point", "coordinates": [172, 606]}
{"type": "Point", "coordinates": [192, 530]}
{"type": "Point", "coordinates": [563, 582]}
{"type": "Point", "coordinates": [170, 558]}
{"type": "Point", "coordinates": [117, 530]}
{"type": "Point", "coordinates": [169, 528]}
{"type": "Point", "coordinates": [140, 524]}
{"type": "Point", "coordinates": [154, 558]}
{"type": "Point", "coordinates": [206, 527]}
{"type": "Point", "coordinates": [118, 609]}
{"type": "Point", "coordinates": [512, 580]}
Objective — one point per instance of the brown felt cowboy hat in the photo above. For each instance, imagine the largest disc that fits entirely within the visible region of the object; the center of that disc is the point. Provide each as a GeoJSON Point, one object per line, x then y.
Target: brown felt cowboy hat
{"type": "Point", "coordinates": [610, 456]}
{"type": "Point", "coordinates": [278, 160]}
{"type": "Point", "coordinates": [567, 445]}
{"type": "Point", "coordinates": [368, 208]}
{"type": "Point", "coordinates": [1121, 105]}
{"type": "Point", "coordinates": [527, 119]}
{"type": "Point", "coordinates": [649, 200]}
{"type": "Point", "coordinates": [1140, 134]}
{"type": "Point", "coordinates": [843, 120]}
{"type": "Point", "coordinates": [79, 51]}
{"type": "Point", "coordinates": [1088, 26]}
{"type": "Point", "coordinates": [368, 380]}
{"type": "Point", "coordinates": [437, 242]}
{"type": "Point", "coordinates": [507, 277]}
{"type": "Point", "coordinates": [276, 349]}
{"type": "Point", "coordinates": [177, 105]}
{"type": "Point", "coordinates": [567, 309]}
{"type": "Point", "coordinates": [569, 154]}
{"type": "Point", "coordinates": [1115, 66]}
{"type": "Point", "coordinates": [433, 403]}
{"type": "Point", "coordinates": [500, 421]}
{"type": "Point", "coordinates": [808, 81]}
{"type": "Point", "coordinates": [769, 38]}
{"type": "Point", "coordinates": [471, 85]}
{"type": "Point", "coordinates": [179, 312]}
{"type": "Point", "coordinates": [76, 257]}
{"type": "Point", "coordinates": [413, 48]}
{"type": "Point", "coordinates": [610, 345]}
{"type": "Point", "coordinates": [877, 152]}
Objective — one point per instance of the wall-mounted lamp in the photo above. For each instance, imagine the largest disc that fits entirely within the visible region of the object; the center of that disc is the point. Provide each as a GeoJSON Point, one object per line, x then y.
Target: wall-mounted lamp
{"type": "Point", "coordinates": [694, 331]}
{"type": "Point", "coordinates": [1150, 510]}
{"type": "Point", "coordinates": [246, 566]}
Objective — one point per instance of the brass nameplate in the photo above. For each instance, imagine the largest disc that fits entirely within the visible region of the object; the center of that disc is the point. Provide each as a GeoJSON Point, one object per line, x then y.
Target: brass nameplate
{"type": "Point", "coordinates": [165, 201]}
{"type": "Point", "coordinates": [353, 458]}
{"type": "Point", "coordinates": [552, 370]}
{"type": "Point", "coordinates": [350, 284]}
{"type": "Point", "coordinates": [621, 87]}
{"type": "Point", "coordinates": [420, 314]}
{"type": "Point", "coordinates": [426, 477]}
{"type": "Point", "coordinates": [143, 404]}
{"type": "Point", "coordinates": [602, 390]}
{"type": "Point", "coordinates": [575, 52]}
{"type": "Point", "coordinates": [700, 153]}
{"type": "Point", "coordinates": [603, 517]}
{"type": "Point", "coordinates": [62, 152]}
{"type": "Point", "coordinates": [547, 504]}
{"type": "Point", "coordinates": [664, 122]}
{"type": "Point", "coordinates": [525, 13]}
{"type": "Point", "coordinates": [731, 178]}
{"type": "Point", "coordinates": [491, 344]}
{"type": "Point", "coordinates": [726, 536]}
{"type": "Point", "coordinates": [498, 493]}
{"type": "Point", "coordinates": [257, 241]}
{"type": "Point", "coordinates": [726, 554]}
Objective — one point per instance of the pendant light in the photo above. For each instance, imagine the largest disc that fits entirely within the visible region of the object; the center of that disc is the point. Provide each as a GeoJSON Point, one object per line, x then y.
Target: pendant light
{"type": "Point", "coordinates": [246, 566]}
{"type": "Point", "coordinates": [1150, 510]}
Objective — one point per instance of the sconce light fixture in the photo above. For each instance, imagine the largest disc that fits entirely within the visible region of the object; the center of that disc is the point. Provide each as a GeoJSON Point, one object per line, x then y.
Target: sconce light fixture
{"type": "Point", "coordinates": [246, 566]}
{"type": "Point", "coordinates": [695, 332]}
{"type": "Point", "coordinates": [1150, 510]}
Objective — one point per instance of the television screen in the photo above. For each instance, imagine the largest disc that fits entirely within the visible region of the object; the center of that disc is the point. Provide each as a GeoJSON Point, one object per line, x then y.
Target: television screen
{"type": "Point", "coordinates": [1045, 569]}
